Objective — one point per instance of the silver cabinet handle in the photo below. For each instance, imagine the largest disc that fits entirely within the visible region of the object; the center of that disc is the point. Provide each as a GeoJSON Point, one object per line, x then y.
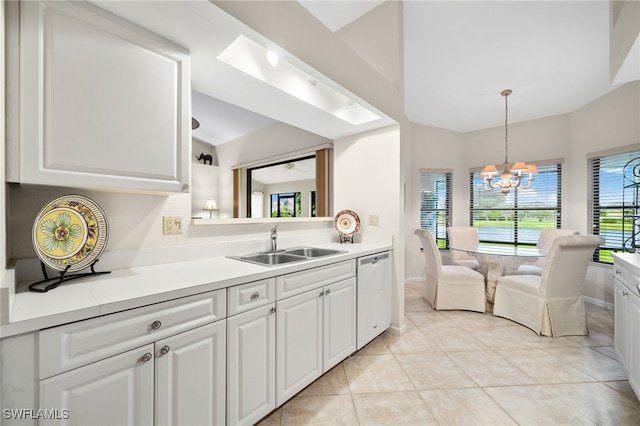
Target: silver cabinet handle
{"type": "Point", "coordinates": [638, 288]}
{"type": "Point", "coordinates": [165, 350]}
{"type": "Point", "coordinates": [145, 358]}
{"type": "Point", "coordinates": [272, 310]}
{"type": "Point", "coordinates": [321, 294]}
{"type": "Point", "coordinates": [155, 325]}
{"type": "Point", "coordinates": [625, 294]}
{"type": "Point", "coordinates": [255, 295]}
{"type": "Point", "coordinates": [327, 291]}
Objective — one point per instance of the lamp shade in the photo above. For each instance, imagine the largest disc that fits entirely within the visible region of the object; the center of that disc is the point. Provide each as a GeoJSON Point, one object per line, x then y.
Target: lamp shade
{"type": "Point", "coordinates": [211, 205]}
{"type": "Point", "coordinates": [489, 170]}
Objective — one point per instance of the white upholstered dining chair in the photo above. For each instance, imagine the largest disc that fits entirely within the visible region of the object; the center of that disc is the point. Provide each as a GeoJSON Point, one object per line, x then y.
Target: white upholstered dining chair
{"type": "Point", "coordinates": [450, 286]}
{"type": "Point", "coordinates": [551, 304]}
{"type": "Point", "coordinates": [463, 237]}
{"type": "Point", "coordinates": [544, 243]}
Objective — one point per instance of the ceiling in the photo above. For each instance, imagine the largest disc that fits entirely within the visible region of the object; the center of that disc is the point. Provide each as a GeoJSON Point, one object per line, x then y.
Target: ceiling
{"type": "Point", "coordinates": [459, 56]}
{"type": "Point", "coordinates": [206, 31]}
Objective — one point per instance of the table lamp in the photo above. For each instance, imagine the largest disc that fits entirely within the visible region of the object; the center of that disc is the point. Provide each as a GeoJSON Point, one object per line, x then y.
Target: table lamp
{"type": "Point", "coordinates": [211, 206]}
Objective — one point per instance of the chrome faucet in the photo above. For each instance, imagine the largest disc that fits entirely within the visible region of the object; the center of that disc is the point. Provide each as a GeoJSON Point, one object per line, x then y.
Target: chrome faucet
{"type": "Point", "coordinates": [274, 239]}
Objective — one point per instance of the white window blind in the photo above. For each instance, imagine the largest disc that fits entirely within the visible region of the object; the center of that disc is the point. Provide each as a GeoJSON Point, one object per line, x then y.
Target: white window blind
{"type": "Point", "coordinates": [614, 205]}
{"type": "Point", "coordinates": [518, 217]}
{"type": "Point", "coordinates": [435, 204]}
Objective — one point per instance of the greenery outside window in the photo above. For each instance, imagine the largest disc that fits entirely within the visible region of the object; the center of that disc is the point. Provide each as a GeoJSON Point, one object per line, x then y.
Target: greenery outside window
{"type": "Point", "coordinates": [517, 217]}
{"type": "Point", "coordinates": [287, 204]}
{"type": "Point", "coordinates": [435, 203]}
{"type": "Point", "coordinates": [611, 208]}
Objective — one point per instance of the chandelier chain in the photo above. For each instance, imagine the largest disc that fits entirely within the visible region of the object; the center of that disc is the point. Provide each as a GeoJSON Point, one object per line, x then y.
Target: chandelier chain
{"type": "Point", "coordinates": [506, 129]}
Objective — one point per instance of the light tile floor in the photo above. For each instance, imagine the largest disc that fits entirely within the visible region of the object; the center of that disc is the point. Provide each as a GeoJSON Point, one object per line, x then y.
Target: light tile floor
{"type": "Point", "coordinates": [457, 367]}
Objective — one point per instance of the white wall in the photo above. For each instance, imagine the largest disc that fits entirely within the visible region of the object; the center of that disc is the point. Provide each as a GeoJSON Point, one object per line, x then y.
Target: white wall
{"type": "Point", "coordinates": [367, 176]}
{"type": "Point", "coordinates": [433, 148]}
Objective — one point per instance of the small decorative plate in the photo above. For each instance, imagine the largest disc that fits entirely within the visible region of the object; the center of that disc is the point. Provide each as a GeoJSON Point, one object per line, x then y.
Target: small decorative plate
{"type": "Point", "coordinates": [70, 233]}
{"type": "Point", "coordinates": [346, 223]}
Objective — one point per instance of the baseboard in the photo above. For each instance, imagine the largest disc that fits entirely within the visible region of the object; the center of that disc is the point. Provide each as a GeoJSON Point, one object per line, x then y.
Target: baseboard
{"type": "Point", "coordinates": [397, 331]}
{"type": "Point", "coordinates": [598, 302]}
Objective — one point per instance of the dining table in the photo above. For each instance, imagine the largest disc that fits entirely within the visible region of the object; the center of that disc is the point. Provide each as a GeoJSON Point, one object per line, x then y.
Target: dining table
{"type": "Point", "coordinates": [496, 261]}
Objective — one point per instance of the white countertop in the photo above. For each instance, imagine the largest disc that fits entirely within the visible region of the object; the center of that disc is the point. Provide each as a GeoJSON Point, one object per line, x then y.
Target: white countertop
{"type": "Point", "coordinates": [134, 287]}
{"type": "Point", "coordinates": [632, 259]}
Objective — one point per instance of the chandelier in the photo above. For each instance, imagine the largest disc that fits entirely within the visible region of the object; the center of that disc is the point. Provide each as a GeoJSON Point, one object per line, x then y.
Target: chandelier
{"type": "Point", "coordinates": [510, 177]}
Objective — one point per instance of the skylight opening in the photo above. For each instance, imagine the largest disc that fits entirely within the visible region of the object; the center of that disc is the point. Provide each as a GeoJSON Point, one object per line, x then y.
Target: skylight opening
{"type": "Point", "coordinates": [255, 60]}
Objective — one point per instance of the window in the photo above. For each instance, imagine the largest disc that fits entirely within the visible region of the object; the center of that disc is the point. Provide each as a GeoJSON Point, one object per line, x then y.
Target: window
{"type": "Point", "coordinates": [435, 204]}
{"type": "Point", "coordinates": [287, 204]}
{"type": "Point", "coordinates": [612, 206]}
{"type": "Point", "coordinates": [518, 217]}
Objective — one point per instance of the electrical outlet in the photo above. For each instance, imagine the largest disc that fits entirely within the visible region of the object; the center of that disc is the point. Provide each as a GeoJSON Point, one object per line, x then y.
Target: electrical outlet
{"type": "Point", "coordinates": [171, 225]}
{"type": "Point", "coordinates": [374, 220]}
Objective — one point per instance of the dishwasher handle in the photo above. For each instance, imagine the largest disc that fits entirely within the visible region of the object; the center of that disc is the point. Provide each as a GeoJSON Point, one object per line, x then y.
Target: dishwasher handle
{"type": "Point", "coordinates": [374, 259]}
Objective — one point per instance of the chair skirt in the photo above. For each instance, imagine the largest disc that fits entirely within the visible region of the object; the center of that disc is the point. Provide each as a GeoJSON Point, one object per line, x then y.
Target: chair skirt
{"type": "Point", "coordinates": [460, 288]}
{"type": "Point", "coordinates": [517, 298]}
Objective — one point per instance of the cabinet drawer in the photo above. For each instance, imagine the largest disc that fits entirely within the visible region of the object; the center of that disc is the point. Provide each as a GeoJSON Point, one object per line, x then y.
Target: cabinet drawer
{"type": "Point", "coordinates": [299, 282]}
{"type": "Point", "coordinates": [252, 295]}
{"type": "Point", "coordinates": [620, 273]}
{"type": "Point", "coordinates": [72, 345]}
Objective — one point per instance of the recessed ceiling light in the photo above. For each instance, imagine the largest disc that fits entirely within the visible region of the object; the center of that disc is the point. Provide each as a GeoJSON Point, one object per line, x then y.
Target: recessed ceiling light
{"type": "Point", "coordinates": [273, 58]}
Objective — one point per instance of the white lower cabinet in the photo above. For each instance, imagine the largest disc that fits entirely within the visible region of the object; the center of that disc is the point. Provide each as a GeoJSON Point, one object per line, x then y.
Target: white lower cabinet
{"type": "Point", "coordinates": [251, 375]}
{"type": "Point", "coordinates": [620, 314]}
{"type": "Point", "coordinates": [315, 331]}
{"type": "Point", "coordinates": [190, 377]}
{"type": "Point", "coordinates": [160, 364]}
{"type": "Point", "coordinates": [633, 369]}
{"type": "Point", "coordinates": [115, 391]}
{"type": "Point", "coordinates": [299, 343]}
{"type": "Point", "coordinates": [183, 377]}
{"type": "Point", "coordinates": [627, 316]}
{"type": "Point", "coordinates": [203, 359]}
{"type": "Point", "coordinates": [339, 322]}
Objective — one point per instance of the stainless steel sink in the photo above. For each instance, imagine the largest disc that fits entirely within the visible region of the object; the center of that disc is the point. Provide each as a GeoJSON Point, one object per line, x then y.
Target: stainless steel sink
{"type": "Point", "coordinates": [277, 258]}
{"type": "Point", "coordinates": [295, 254]}
{"type": "Point", "coordinates": [312, 251]}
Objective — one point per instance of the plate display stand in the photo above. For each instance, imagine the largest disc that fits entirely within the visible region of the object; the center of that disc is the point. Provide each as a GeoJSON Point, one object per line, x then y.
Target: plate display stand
{"type": "Point", "coordinates": [345, 238]}
{"type": "Point", "coordinates": [42, 286]}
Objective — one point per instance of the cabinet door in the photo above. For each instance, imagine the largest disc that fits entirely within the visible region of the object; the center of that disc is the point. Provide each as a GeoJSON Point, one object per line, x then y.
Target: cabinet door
{"type": "Point", "coordinates": [114, 391]}
{"type": "Point", "coordinates": [190, 377]}
{"type": "Point", "coordinates": [621, 336]}
{"type": "Point", "coordinates": [103, 104]}
{"type": "Point", "coordinates": [251, 365]}
{"type": "Point", "coordinates": [299, 343]}
{"type": "Point", "coordinates": [339, 322]}
{"type": "Point", "coordinates": [633, 322]}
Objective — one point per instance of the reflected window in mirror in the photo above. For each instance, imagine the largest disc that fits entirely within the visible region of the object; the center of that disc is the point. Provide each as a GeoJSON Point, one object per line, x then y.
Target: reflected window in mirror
{"type": "Point", "coordinates": [281, 189]}
{"type": "Point", "coordinates": [288, 204]}
{"type": "Point", "coordinates": [309, 175]}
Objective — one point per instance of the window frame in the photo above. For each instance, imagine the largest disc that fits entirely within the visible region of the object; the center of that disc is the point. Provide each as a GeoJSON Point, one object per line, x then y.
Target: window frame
{"type": "Point", "coordinates": [447, 178]}
{"type": "Point", "coordinates": [614, 159]}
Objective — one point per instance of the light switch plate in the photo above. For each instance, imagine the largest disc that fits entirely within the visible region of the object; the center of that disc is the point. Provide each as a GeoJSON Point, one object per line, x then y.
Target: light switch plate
{"type": "Point", "coordinates": [171, 225]}
{"type": "Point", "coordinates": [374, 220]}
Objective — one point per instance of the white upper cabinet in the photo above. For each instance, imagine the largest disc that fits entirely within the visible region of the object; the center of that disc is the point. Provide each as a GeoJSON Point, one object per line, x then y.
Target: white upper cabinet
{"type": "Point", "coordinates": [103, 103]}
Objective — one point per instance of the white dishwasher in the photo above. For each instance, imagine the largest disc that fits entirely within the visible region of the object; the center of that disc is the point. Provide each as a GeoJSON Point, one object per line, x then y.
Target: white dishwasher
{"type": "Point", "coordinates": [374, 296]}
